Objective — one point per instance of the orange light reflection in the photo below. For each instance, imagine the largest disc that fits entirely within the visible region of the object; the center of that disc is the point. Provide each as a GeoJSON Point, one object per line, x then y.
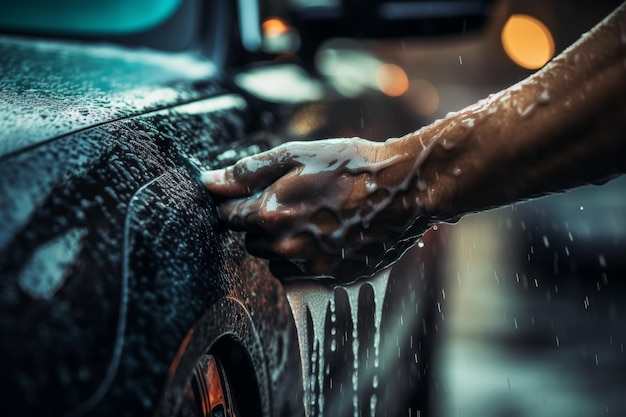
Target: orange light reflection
{"type": "Point", "coordinates": [274, 27]}
{"type": "Point", "coordinates": [527, 41]}
{"type": "Point", "coordinates": [392, 80]}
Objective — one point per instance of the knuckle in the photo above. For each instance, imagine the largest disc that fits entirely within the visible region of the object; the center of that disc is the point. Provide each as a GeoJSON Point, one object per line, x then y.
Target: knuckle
{"type": "Point", "coordinates": [240, 168]}
{"type": "Point", "coordinates": [236, 214]}
{"type": "Point", "coordinates": [269, 219]}
{"type": "Point", "coordinates": [282, 154]}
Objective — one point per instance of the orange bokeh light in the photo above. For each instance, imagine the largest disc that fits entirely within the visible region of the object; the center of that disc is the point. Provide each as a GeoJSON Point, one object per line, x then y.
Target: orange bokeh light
{"type": "Point", "coordinates": [527, 41]}
{"type": "Point", "coordinates": [392, 80]}
{"type": "Point", "coordinates": [274, 27]}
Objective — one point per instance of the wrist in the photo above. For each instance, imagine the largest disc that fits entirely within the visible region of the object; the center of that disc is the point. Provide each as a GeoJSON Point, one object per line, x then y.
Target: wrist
{"type": "Point", "coordinates": [434, 169]}
{"type": "Point", "coordinates": [413, 153]}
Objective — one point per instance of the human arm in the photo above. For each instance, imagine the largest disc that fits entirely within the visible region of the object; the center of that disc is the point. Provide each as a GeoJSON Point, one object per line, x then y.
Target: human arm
{"type": "Point", "coordinates": [348, 207]}
{"type": "Point", "coordinates": [562, 127]}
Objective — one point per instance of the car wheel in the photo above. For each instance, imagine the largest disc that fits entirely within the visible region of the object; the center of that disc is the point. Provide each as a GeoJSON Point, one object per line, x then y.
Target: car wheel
{"type": "Point", "coordinates": [217, 387]}
{"type": "Point", "coordinates": [220, 369]}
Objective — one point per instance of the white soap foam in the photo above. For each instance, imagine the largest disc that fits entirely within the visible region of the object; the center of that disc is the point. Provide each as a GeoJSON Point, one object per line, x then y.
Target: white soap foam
{"type": "Point", "coordinates": [315, 300]}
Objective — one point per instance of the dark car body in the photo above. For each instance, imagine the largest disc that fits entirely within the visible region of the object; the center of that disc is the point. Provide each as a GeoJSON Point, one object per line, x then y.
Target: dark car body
{"type": "Point", "coordinates": [115, 274]}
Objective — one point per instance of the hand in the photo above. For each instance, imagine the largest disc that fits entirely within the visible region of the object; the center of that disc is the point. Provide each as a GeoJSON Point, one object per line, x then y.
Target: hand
{"type": "Point", "coordinates": [341, 208]}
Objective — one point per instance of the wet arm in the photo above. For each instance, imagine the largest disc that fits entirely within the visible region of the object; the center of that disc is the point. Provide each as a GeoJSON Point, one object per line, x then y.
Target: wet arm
{"type": "Point", "coordinates": [348, 207]}
{"type": "Point", "coordinates": [560, 128]}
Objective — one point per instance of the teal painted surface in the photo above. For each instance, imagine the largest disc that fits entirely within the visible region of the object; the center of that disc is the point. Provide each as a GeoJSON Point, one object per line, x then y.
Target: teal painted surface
{"type": "Point", "coordinates": [111, 17]}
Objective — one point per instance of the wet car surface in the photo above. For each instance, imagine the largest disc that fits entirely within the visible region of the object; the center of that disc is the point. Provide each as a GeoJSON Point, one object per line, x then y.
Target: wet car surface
{"type": "Point", "coordinates": [111, 253]}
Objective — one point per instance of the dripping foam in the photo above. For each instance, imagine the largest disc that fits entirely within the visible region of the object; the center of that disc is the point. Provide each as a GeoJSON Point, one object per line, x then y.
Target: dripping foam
{"type": "Point", "coordinates": [315, 301]}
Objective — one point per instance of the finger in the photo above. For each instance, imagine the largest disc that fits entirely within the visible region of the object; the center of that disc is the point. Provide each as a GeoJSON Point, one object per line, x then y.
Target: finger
{"type": "Point", "coordinates": [262, 211]}
{"type": "Point", "coordinates": [240, 214]}
{"type": "Point", "coordinates": [250, 174]}
{"type": "Point", "coordinates": [266, 246]}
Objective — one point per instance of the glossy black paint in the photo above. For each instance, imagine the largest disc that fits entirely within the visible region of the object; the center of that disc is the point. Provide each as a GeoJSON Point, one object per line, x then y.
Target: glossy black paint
{"type": "Point", "coordinates": [115, 276]}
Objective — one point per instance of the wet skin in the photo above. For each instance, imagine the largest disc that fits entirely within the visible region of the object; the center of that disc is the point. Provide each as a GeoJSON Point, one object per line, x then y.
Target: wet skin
{"type": "Point", "coordinates": [346, 208]}
{"type": "Point", "coordinates": [331, 208]}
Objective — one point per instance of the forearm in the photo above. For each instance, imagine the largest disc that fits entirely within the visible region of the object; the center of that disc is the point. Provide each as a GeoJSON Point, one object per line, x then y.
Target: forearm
{"type": "Point", "coordinates": [562, 127]}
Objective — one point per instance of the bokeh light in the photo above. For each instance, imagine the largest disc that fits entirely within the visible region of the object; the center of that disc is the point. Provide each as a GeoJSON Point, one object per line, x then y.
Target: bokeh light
{"type": "Point", "coordinates": [392, 80]}
{"type": "Point", "coordinates": [274, 27]}
{"type": "Point", "coordinates": [279, 36]}
{"type": "Point", "coordinates": [308, 119]}
{"type": "Point", "coordinates": [527, 41]}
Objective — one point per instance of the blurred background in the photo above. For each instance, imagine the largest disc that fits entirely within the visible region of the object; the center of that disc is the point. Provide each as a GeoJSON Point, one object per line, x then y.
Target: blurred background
{"type": "Point", "coordinates": [529, 305]}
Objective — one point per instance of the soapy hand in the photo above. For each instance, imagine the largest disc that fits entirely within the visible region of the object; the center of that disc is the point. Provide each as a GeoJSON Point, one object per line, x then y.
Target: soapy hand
{"type": "Point", "coordinates": [340, 208]}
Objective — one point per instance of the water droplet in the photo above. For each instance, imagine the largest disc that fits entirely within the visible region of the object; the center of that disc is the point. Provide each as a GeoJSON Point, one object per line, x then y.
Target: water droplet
{"type": "Point", "coordinates": [371, 187]}
{"type": "Point", "coordinates": [448, 145]}
{"type": "Point", "coordinates": [544, 97]}
{"type": "Point", "coordinates": [373, 405]}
